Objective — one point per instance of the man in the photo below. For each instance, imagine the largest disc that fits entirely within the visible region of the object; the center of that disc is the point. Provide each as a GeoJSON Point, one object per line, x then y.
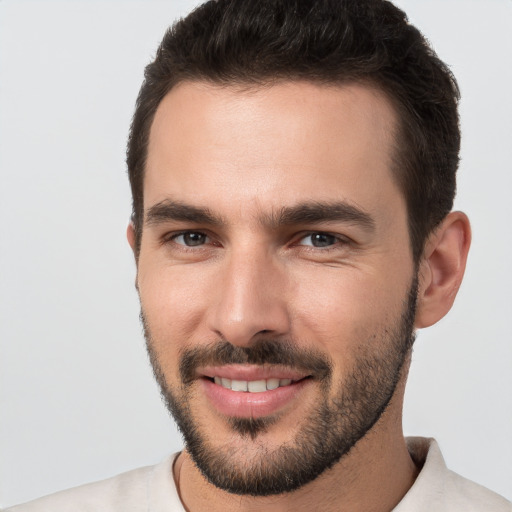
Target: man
{"type": "Point", "coordinates": [293, 170]}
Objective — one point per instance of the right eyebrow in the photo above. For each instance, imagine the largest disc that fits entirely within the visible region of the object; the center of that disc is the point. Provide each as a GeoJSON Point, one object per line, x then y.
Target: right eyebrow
{"type": "Point", "coordinates": [169, 210]}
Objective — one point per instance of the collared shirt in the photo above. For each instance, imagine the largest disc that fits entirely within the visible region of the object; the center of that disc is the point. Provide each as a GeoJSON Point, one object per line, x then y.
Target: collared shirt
{"type": "Point", "coordinates": [152, 489]}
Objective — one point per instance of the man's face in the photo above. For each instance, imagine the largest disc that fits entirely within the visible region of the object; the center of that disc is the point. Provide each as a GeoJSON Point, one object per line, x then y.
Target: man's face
{"type": "Point", "coordinates": [275, 275]}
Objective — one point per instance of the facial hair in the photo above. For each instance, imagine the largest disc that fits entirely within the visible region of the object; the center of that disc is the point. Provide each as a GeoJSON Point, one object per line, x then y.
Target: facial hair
{"type": "Point", "coordinates": [329, 432]}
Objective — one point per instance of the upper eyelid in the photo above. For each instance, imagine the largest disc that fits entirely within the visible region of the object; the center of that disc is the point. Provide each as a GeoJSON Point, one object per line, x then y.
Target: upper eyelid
{"type": "Point", "coordinates": [181, 233]}
{"type": "Point", "coordinates": [338, 236]}
{"type": "Point", "coordinates": [174, 234]}
{"type": "Point", "coordinates": [170, 236]}
{"type": "Point", "coordinates": [294, 239]}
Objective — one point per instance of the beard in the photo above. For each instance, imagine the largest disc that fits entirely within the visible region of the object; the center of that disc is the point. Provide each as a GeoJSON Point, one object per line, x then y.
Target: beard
{"type": "Point", "coordinates": [347, 412]}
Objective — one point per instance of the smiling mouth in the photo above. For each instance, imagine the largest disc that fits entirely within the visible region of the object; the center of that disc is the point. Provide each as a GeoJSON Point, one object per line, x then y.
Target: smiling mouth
{"type": "Point", "coordinates": [253, 386]}
{"type": "Point", "coordinates": [251, 391]}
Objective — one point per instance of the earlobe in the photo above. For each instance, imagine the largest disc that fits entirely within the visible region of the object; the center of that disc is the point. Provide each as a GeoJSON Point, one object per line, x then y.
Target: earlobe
{"type": "Point", "coordinates": [442, 268]}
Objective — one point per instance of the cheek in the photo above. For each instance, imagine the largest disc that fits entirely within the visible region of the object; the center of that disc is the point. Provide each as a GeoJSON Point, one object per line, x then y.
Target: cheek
{"type": "Point", "coordinates": [343, 309]}
{"type": "Point", "coordinates": [173, 303]}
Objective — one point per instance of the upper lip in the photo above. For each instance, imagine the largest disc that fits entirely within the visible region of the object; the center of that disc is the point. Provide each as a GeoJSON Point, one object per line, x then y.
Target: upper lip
{"type": "Point", "coordinates": [251, 372]}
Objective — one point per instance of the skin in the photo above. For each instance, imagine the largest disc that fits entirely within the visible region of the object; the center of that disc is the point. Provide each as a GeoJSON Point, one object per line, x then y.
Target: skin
{"type": "Point", "coordinates": [245, 154]}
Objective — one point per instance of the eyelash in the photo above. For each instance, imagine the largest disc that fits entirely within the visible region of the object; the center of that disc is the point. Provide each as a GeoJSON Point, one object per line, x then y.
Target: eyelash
{"type": "Point", "coordinates": [171, 238]}
{"type": "Point", "coordinates": [338, 240]}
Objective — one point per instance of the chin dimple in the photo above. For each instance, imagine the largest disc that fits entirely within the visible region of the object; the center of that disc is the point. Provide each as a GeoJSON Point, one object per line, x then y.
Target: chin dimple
{"type": "Point", "coordinates": [251, 386]}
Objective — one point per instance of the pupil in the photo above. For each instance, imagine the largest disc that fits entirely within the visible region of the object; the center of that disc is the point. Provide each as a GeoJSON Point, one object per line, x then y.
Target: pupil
{"type": "Point", "coordinates": [322, 240]}
{"type": "Point", "coordinates": [194, 238]}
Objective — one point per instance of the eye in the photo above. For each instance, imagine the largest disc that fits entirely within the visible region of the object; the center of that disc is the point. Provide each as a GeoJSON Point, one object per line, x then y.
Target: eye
{"type": "Point", "coordinates": [319, 240]}
{"type": "Point", "coordinates": [191, 238]}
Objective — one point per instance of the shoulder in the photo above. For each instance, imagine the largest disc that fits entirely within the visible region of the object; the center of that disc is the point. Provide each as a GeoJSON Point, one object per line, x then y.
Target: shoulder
{"type": "Point", "coordinates": [122, 492]}
{"type": "Point", "coordinates": [126, 492]}
{"type": "Point", "coordinates": [437, 488]}
{"type": "Point", "coordinates": [469, 496]}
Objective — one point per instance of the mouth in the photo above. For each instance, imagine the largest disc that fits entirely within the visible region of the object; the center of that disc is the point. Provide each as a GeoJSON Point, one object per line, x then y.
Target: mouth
{"type": "Point", "coordinates": [252, 386]}
{"type": "Point", "coordinates": [251, 391]}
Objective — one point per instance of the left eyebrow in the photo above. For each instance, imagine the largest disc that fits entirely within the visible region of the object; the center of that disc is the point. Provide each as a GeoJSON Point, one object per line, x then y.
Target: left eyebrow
{"type": "Point", "coordinates": [315, 212]}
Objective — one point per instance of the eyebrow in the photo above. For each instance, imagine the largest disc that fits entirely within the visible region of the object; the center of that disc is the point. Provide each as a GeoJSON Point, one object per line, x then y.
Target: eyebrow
{"type": "Point", "coordinates": [169, 210]}
{"type": "Point", "coordinates": [314, 212]}
{"type": "Point", "coordinates": [302, 213]}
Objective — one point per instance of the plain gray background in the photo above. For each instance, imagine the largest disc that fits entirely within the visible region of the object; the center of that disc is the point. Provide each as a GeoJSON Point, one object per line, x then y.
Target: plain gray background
{"type": "Point", "coordinates": [77, 399]}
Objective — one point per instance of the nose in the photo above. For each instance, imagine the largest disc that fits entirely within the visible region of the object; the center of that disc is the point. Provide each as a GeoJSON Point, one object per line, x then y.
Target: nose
{"type": "Point", "coordinates": [250, 299]}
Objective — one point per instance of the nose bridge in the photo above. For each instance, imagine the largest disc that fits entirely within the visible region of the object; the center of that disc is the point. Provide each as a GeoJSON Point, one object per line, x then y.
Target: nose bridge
{"type": "Point", "coordinates": [251, 296]}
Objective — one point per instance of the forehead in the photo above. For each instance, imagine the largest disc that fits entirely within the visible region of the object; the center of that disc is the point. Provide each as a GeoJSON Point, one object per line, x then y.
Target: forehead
{"type": "Point", "coordinates": [258, 148]}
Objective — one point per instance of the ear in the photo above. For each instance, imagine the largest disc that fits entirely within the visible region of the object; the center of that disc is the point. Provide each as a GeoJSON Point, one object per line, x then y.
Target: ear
{"type": "Point", "coordinates": [442, 268]}
{"type": "Point", "coordinates": [130, 235]}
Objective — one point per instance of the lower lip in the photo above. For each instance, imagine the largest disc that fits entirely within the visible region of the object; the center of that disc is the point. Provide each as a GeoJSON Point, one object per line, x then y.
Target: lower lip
{"type": "Point", "coordinates": [251, 405]}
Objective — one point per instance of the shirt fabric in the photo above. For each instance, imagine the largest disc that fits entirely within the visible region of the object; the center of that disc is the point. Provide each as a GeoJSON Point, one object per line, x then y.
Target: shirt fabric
{"type": "Point", "coordinates": [152, 489]}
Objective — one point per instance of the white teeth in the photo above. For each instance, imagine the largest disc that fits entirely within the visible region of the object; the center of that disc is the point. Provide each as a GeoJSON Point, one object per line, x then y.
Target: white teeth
{"type": "Point", "coordinates": [256, 386]}
{"type": "Point", "coordinates": [239, 385]}
{"type": "Point", "coordinates": [272, 383]}
{"type": "Point", "coordinates": [252, 386]}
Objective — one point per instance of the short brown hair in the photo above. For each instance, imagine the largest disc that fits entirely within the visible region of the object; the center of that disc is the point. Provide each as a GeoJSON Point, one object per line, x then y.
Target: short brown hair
{"type": "Point", "coordinates": [258, 42]}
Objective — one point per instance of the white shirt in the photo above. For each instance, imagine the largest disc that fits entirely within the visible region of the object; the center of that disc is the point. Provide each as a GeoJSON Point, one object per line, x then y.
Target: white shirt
{"type": "Point", "coordinates": [152, 489]}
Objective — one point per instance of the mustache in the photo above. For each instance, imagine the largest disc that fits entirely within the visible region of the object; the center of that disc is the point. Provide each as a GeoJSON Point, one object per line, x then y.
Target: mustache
{"type": "Point", "coordinates": [263, 352]}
